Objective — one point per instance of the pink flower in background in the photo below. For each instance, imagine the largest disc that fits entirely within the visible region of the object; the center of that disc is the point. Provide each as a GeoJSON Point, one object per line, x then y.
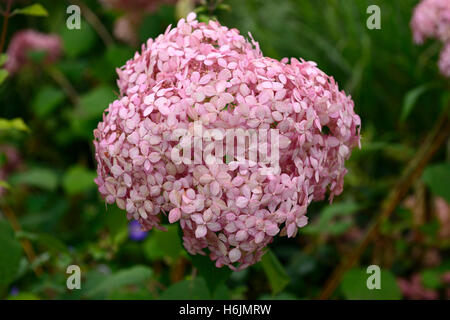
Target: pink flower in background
{"type": "Point", "coordinates": [127, 26]}
{"type": "Point", "coordinates": [26, 41]}
{"type": "Point", "coordinates": [444, 60]}
{"type": "Point", "coordinates": [442, 209]}
{"type": "Point", "coordinates": [209, 73]}
{"type": "Point", "coordinates": [12, 161]}
{"type": "Point", "coordinates": [413, 289]}
{"type": "Point", "coordinates": [431, 19]}
{"type": "Point", "coordinates": [446, 277]}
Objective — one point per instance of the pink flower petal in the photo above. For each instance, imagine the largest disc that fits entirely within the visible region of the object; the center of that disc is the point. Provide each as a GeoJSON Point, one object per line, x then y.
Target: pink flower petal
{"type": "Point", "coordinates": [174, 215]}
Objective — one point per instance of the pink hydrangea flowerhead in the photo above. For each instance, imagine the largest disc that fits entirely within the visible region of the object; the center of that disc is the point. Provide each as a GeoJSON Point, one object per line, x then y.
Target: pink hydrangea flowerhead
{"type": "Point", "coordinates": [209, 74]}
{"type": "Point", "coordinates": [26, 41]}
{"type": "Point", "coordinates": [431, 19]}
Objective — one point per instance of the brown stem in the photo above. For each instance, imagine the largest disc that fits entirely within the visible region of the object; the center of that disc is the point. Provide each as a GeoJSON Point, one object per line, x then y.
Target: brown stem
{"type": "Point", "coordinates": [64, 83]}
{"type": "Point", "coordinates": [26, 245]}
{"type": "Point", "coordinates": [178, 269]}
{"type": "Point", "coordinates": [435, 139]}
{"type": "Point", "coordinates": [5, 24]}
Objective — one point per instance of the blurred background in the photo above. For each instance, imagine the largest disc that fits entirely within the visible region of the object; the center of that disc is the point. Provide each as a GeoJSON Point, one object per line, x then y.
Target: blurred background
{"type": "Point", "coordinates": [52, 216]}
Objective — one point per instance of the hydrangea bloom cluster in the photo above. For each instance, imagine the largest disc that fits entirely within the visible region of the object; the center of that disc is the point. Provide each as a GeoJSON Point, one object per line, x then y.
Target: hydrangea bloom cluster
{"type": "Point", "coordinates": [26, 41]}
{"type": "Point", "coordinates": [209, 73]}
{"type": "Point", "coordinates": [431, 19]}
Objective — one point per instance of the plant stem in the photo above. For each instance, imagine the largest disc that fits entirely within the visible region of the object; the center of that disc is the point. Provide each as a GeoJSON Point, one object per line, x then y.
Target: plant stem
{"type": "Point", "coordinates": [5, 24]}
{"type": "Point", "coordinates": [435, 139]}
{"type": "Point", "coordinates": [26, 245]}
{"type": "Point", "coordinates": [177, 270]}
{"type": "Point", "coordinates": [64, 83]}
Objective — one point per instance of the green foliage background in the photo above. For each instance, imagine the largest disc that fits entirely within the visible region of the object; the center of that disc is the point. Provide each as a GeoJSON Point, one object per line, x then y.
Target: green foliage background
{"type": "Point", "coordinates": [398, 93]}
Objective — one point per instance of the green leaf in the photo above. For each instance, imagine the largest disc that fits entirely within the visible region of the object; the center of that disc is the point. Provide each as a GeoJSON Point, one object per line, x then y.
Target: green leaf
{"type": "Point", "coordinates": [431, 278]}
{"type": "Point", "coordinates": [411, 98]}
{"type": "Point", "coordinates": [224, 7]}
{"type": "Point", "coordinates": [437, 178]}
{"type": "Point", "coordinates": [221, 293]}
{"type": "Point", "coordinates": [74, 69]}
{"type": "Point", "coordinates": [4, 184]}
{"type": "Point", "coordinates": [37, 177]}
{"type": "Point", "coordinates": [278, 278]}
{"type": "Point", "coordinates": [3, 159]}
{"type": "Point", "coordinates": [354, 286]}
{"type": "Point", "coordinates": [281, 296]}
{"type": "Point", "coordinates": [3, 59]}
{"type": "Point", "coordinates": [13, 124]}
{"type": "Point", "coordinates": [117, 224]}
{"type": "Point", "coordinates": [46, 100]}
{"type": "Point", "coordinates": [151, 249]}
{"type": "Point", "coordinates": [33, 10]}
{"type": "Point", "coordinates": [133, 276]}
{"type": "Point", "coordinates": [78, 41]}
{"type": "Point", "coordinates": [431, 228]}
{"type": "Point", "coordinates": [203, 18]}
{"type": "Point", "coordinates": [24, 296]}
{"type": "Point", "coordinates": [135, 294]}
{"type": "Point", "coordinates": [3, 75]}
{"type": "Point", "coordinates": [194, 289]}
{"type": "Point", "coordinates": [10, 254]}
{"type": "Point", "coordinates": [332, 219]}
{"type": "Point", "coordinates": [93, 103]}
{"type": "Point", "coordinates": [340, 209]}
{"type": "Point", "coordinates": [78, 179]}
{"type": "Point", "coordinates": [45, 239]}
{"type": "Point", "coordinates": [44, 211]}
{"type": "Point", "coordinates": [213, 276]}
{"type": "Point", "coordinates": [104, 66]}
{"type": "Point", "coordinates": [338, 228]}
{"type": "Point", "coordinates": [163, 244]}
{"type": "Point", "coordinates": [117, 56]}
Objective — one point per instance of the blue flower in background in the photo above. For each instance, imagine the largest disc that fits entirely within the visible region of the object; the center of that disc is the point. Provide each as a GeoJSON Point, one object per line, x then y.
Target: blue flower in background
{"type": "Point", "coordinates": [135, 231]}
{"type": "Point", "coordinates": [14, 291]}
